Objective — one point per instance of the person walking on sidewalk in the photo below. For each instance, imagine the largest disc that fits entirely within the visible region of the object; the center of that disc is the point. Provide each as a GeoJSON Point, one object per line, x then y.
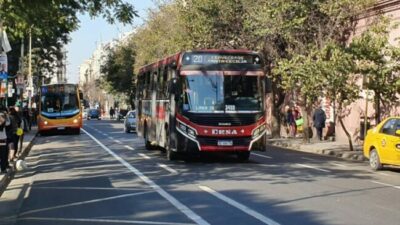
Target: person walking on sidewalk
{"type": "Point", "coordinates": [12, 132]}
{"type": "Point", "coordinates": [4, 163]}
{"type": "Point", "coordinates": [319, 119]}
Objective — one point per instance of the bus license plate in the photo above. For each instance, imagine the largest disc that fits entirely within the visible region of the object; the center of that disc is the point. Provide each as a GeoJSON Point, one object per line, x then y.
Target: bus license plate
{"type": "Point", "coordinates": [60, 128]}
{"type": "Point", "coordinates": [225, 142]}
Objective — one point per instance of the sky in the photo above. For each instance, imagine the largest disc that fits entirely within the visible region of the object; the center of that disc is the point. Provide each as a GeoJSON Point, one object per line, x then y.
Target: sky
{"type": "Point", "coordinates": [94, 31]}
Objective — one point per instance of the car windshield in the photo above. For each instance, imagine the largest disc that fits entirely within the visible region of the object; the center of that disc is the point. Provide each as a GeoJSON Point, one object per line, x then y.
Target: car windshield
{"type": "Point", "coordinates": [217, 93]}
{"type": "Point", "coordinates": [59, 100]}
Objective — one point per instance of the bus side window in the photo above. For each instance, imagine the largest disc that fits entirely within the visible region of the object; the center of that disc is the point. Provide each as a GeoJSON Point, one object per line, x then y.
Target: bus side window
{"type": "Point", "coordinates": [147, 87]}
{"type": "Point", "coordinates": [160, 83]}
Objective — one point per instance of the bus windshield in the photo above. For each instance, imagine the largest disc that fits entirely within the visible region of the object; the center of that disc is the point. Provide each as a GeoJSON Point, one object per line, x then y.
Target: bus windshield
{"type": "Point", "coordinates": [221, 94]}
{"type": "Point", "coordinates": [59, 100]}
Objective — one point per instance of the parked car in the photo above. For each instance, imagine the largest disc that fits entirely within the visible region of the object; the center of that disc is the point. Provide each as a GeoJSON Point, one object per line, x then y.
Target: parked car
{"type": "Point", "coordinates": [130, 121]}
{"type": "Point", "coordinates": [94, 114]}
{"type": "Point", "coordinates": [382, 144]}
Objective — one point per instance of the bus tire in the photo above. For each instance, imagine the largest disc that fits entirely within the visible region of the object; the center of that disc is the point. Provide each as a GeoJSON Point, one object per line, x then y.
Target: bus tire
{"type": "Point", "coordinates": [147, 143]}
{"type": "Point", "coordinates": [243, 156]}
{"type": "Point", "coordinates": [172, 156]}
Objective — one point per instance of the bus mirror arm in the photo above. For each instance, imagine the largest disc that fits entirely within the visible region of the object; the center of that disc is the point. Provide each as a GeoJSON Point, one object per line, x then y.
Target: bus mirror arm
{"type": "Point", "coordinates": [268, 85]}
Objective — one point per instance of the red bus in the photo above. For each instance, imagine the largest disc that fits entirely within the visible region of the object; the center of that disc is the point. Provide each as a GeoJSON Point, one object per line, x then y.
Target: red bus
{"type": "Point", "coordinates": [203, 101]}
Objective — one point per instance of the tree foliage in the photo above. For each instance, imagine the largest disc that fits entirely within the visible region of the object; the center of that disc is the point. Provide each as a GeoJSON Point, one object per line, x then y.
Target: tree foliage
{"type": "Point", "coordinates": [51, 22]}
{"type": "Point", "coordinates": [118, 71]}
{"type": "Point", "coordinates": [379, 62]}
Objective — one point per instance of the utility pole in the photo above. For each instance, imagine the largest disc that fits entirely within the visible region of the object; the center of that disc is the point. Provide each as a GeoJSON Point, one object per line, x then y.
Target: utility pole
{"type": "Point", "coordinates": [30, 88]}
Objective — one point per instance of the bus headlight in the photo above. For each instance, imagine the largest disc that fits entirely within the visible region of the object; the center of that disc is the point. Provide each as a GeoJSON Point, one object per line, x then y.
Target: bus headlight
{"type": "Point", "coordinates": [45, 122]}
{"type": "Point", "coordinates": [75, 121]}
{"type": "Point", "coordinates": [259, 130]}
{"type": "Point", "coordinates": [187, 130]}
{"type": "Point", "coordinates": [191, 132]}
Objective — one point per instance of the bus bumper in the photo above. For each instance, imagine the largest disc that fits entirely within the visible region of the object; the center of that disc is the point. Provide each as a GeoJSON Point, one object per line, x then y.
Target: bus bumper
{"type": "Point", "coordinates": [209, 144]}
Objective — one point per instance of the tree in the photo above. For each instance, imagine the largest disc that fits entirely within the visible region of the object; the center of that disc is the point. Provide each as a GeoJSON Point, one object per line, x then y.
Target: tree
{"type": "Point", "coordinates": [280, 29]}
{"type": "Point", "coordinates": [379, 62]}
{"type": "Point", "coordinates": [51, 22]}
{"type": "Point", "coordinates": [161, 35]}
{"type": "Point", "coordinates": [119, 71]}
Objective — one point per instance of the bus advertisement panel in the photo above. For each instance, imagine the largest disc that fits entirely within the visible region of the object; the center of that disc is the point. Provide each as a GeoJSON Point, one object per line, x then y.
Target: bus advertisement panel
{"type": "Point", "coordinates": [203, 101]}
{"type": "Point", "coordinates": [59, 108]}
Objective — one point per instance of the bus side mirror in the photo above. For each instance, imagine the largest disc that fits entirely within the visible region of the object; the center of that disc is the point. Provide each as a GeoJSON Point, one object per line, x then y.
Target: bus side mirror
{"type": "Point", "coordinates": [173, 86]}
{"type": "Point", "coordinates": [268, 85]}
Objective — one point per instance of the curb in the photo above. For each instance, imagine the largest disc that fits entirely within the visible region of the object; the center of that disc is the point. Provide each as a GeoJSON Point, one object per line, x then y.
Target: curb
{"type": "Point", "coordinates": [347, 155]}
{"type": "Point", "coordinates": [5, 180]}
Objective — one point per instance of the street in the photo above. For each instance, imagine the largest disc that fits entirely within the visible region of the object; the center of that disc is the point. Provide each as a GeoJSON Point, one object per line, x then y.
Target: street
{"type": "Point", "coordinates": [105, 176]}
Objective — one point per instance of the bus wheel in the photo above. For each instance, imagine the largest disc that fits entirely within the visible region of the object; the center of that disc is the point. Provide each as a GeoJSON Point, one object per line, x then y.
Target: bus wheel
{"type": "Point", "coordinates": [147, 145]}
{"type": "Point", "coordinates": [243, 156]}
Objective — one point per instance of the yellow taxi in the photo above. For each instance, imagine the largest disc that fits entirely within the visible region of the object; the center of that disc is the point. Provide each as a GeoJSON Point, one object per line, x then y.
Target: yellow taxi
{"type": "Point", "coordinates": [382, 144]}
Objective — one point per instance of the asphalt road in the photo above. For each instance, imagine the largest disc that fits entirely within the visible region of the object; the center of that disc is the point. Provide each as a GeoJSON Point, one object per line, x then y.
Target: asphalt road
{"type": "Point", "coordinates": [105, 176]}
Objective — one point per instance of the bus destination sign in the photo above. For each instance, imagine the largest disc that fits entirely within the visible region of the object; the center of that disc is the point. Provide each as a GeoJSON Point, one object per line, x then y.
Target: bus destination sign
{"type": "Point", "coordinates": [206, 59]}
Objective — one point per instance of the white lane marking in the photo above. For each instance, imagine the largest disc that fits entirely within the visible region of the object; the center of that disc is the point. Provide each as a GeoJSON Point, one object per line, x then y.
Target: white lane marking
{"type": "Point", "coordinates": [111, 138]}
{"type": "Point", "coordinates": [263, 156]}
{"type": "Point", "coordinates": [240, 206]}
{"type": "Point", "coordinates": [169, 169]}
{"type": "Point", "coordinates": [118, 141]}
{"type": "Point", "coordinates": [338, 164]}
{"type": "Point", "coordinates": [129, 147]}
{"type": "Point", "coordinates": [181, 207]}
{"type": "Point", "coordinates": [100, 220]}
{"type": "Point", "coordinates": [144, 156]}
{"type": "Point", "coordinates": [306, 158]}
{"type": "Point", "coordinates": [91, 188]}
{"type": "Point", "coordinates": [385, 184]}
{"type": "Point", "coordinates": [85, 202]}
{"type": "Point", "coordinates": [384, 174]}
{"type": "Point", "coordinates": [312, 167]}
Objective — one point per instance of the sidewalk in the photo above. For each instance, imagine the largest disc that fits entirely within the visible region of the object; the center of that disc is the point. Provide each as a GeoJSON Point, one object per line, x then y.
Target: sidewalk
{"type": "Point", "coordinates": [29, 137]}
{"type": "Point", "coordinates": [332, 148]}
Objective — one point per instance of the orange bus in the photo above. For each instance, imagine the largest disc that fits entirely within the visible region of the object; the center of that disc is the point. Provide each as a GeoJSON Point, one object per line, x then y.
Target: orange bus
{"type": "Point", "coordinates": [59, 108]}
{"type": "Point", "coordinates": [203, 101]}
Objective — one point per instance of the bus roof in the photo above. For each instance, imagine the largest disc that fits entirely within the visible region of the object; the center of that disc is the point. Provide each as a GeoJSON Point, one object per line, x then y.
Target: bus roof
{"type": "Point", "coordinates": [176, 58]}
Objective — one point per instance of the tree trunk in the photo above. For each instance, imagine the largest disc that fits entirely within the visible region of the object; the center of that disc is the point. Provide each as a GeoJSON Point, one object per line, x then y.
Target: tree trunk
{"type": "Point", "coordinates": [347, 133]}
{"type": "Point", "coordinates": [306, 124]}
{"type": "Point", "coordinates": [277, 101]}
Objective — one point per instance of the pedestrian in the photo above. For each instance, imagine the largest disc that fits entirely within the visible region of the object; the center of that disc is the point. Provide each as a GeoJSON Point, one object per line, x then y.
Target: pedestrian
{"type": "Point", "coordinates": [4, 152]}
{"type": "Point", "coordinates": [290, 122]}
{"type": "Point", "coordinates": [112, 112]}
{"type": "Point", "coordinates": [12, 137]}
{"type": "Point", "coordinates": [319, 118]}
{"type": "Point", "coordinates": [296, 116]}
{"type": "Point", "coordinates": [26, 118]}
{"type": "Point", "coordinates": [4, 161]}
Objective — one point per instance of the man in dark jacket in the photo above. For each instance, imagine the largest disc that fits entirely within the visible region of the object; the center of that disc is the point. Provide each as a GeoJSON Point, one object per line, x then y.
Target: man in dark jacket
{"type": "Point", "coordinates": [319, 119]}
